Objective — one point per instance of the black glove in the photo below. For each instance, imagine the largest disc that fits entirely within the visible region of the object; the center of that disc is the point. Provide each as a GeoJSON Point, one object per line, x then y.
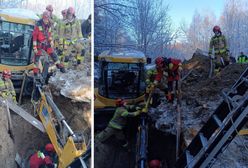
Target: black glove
{"type": "Point", "coordinates": [66, 59]}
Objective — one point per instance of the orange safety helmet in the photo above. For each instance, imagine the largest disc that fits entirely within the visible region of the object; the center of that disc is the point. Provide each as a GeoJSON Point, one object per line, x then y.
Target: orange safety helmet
{"type": "Point", "coordinates": [154, 164]}
{"type": "Point", "coordinates": [46, 15]}
{"type": "Point", "coordinates": [216, 28]}
{"type": "Point", "coordinates": [49, 147]}
{"type": "Point", "coordinates": [49, 8]}
{"type": "Point", "coordinates": [71, 10]}
{"type": "Point", "coordinates": [64, 12]}
{"type": "Point", "coordinates": [6, 74]}
{"type": "Point", "coordinates": [119, 102]}
{"type": "Point", "coordinates": [159, 61]}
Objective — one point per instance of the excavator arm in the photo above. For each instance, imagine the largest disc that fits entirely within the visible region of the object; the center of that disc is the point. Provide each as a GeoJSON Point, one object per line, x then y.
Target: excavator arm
{"type": "Point", "coordinates": [69, 146]}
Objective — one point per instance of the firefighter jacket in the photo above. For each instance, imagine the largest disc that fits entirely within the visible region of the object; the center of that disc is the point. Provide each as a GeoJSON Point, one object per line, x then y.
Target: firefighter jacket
{"type": "Point", "coordinates": [119, 119]}
{"type": "Point", "coordinates": [42, 35]}
{"type": "Point", "coordinates": [37, 160]}
{"type": "Point", "coordinates": [219, 44]}
{"type": "Point", "coordinates": [242, 59]}
{"type": "Point", "coordinates": [150, 76]}
{"type": "Point", "coordinates": [61, 30]}
{"type": "Point", "coordinates": [7, 90]}
{"type": "Point", "coordinates": [72, 30]}
{"type": "Point", "coordinates": [172, 68]}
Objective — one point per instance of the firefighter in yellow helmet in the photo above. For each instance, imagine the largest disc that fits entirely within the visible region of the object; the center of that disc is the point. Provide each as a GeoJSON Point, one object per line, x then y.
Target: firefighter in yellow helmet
{"type": "Point", "coordinates": [7, 90]}
{"type": "Point", "coordinates": [118, 122]}
{"type": "Point", "coordinates": [218, 43]}
{"type": "Point", "coordinates": [72, 34]}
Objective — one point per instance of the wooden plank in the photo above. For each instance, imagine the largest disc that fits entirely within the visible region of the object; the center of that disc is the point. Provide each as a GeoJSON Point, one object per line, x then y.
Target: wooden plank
{"type": "Point", "coordinates": [25, 115]}
{"type": "Point", "coordinates": [243, 132]}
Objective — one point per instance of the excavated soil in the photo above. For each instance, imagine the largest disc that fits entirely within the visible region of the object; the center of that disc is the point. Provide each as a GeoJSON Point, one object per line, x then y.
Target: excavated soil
{"type": "Point", "coordinates": [27, 139]}
{"type": "Point", "coordinates": [201, 95]}
{"type": "Point", "coordinates": [7, 150]}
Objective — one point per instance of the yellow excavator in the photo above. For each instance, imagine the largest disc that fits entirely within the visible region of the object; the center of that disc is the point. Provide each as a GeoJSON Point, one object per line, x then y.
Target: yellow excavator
{"type": "Point", "coordinates": [70, 146]}
{"type": "Point", "coordinates": [16, 27]}
{"type": "Point", "coordinates": [121, 75]}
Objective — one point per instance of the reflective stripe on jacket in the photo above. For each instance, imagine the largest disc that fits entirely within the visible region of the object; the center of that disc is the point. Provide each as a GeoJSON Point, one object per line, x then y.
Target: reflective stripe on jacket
{"type": "Point", "coordinates": [219, 44]}
{"type": "Point", "coordinates": [119, 119]}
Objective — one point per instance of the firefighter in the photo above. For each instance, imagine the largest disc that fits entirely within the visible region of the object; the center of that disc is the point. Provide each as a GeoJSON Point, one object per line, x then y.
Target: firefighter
{"type": "Point", "coordinates": [39, 159]}
{"type": "Point", "coordinates": [118, 122]}
{"type": "Point", "coordinates": [61, 31]}
{"type": "Point", "coordinates": [72, 34]}
{"type": "Point", "coordinates": [86, 27]}
{"type": "Point", "coordinates": [219, 45]}
{"type": "Point", "coordinates": [7, 90]}
{"type": "Point", "coordinates": [242, 58]}
{"type": "Point", "coordinates": [150, 76]}
{"type": "Point", "coordinates": [42, 40]}
{"type": "Point", "coordinates": [172, 67]}
{"type": "Point", "coordinates": [53, 19]}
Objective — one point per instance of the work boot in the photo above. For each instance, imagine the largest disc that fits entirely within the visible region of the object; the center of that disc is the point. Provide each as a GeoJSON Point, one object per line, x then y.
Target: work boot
{"type": "Point", "coordinates": [61, 67]}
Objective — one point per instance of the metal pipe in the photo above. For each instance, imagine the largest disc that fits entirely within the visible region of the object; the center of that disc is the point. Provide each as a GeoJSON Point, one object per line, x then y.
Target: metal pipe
{"type": "Point", "coordinates": [143, 142]}
{"type": "Point", "coordinates": [55, 109]}
{"type": "Point", "coordinates": [82, 162]}
{"type": "Point", "coordinates": [69, 128]}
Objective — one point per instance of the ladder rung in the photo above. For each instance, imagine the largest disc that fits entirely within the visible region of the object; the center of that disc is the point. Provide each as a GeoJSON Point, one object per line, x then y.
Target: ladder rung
{"type": "Point", "coordinates": [204, 140]}
{"type": "Point", "coordinates": [189, 159]}
{"type": "Point", "coordinates": [228, 99]}
{"type": "Point", "coordinates": [217, 120]}
{"type": "Point", "coordinates": [245, 79]}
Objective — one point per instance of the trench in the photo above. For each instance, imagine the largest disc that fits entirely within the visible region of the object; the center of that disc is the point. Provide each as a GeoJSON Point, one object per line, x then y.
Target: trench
{"type": "Point", "coordinates": [161, 145]}
{"type": "Point", "coordinates": [28, 139]}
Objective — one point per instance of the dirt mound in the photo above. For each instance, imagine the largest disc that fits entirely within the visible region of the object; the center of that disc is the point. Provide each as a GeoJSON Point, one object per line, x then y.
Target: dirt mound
{"type": "Point", "coordinates": [75, 84]}
{"type": "Point", "coordinates": [201, 95]}
{"type": "Point", "coordinates": [77, 114]}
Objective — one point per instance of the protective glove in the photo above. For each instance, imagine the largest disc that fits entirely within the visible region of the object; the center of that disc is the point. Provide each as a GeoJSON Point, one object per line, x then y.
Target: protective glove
{"type": "Point", "coordinates": [155, 83]}
{"type": "Point", "coordinates": [152, 86]}
{"type": "Point", "coordinates": [52, 44]}
{"type": "Point", "coordinates": [171, 66]}
{"type": "Point", "coordinates": [180, 68]}
{"type": "Point", "coordinates": [35, 49]}
{"type": "Point", "coordinates": [41, 155]}
{"type": "Point", "coordinates": [67, 59]}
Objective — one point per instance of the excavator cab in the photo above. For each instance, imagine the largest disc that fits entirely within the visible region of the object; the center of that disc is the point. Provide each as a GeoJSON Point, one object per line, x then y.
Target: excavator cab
{"type": "Point", "coordinates": [121, 75]}
{"type": "Point", "coordinates": [15, 43]}
{"type": "Point", "coordinates": [16, 27]}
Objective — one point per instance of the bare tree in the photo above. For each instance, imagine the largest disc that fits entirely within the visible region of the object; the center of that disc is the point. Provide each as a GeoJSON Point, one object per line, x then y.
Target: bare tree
{"type": "Point", "coordinates": [151, 25]}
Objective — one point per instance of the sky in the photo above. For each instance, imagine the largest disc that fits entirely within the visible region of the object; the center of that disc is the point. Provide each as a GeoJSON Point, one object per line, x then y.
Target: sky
{"type": "Point", "coordinates": [82, 7]}
{"type": "Point", "coordinates": [185, 9]}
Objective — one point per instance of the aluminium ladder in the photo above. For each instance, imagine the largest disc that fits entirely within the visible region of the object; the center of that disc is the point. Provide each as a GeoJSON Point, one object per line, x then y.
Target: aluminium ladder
{"type": "Point", "coordinates": [220, 129]}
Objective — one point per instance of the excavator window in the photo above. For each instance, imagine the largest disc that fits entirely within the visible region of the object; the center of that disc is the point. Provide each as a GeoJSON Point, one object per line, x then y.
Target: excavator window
{"type": "Point", "coordinates": [121, 80]}
{"type": "Point", "coordinates": [15, 43]}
